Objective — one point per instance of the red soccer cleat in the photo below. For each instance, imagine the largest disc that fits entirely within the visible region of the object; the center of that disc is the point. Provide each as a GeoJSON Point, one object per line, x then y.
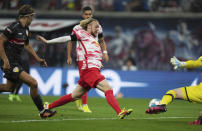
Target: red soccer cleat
{"type": "Point", "coordinates": [156, 109]}
{"type": "Point", "coordinates": [196, 122]}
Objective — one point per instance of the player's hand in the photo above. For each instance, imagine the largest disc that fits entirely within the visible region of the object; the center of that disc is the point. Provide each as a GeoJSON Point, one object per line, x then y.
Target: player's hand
{"type": "Point", "coordinates": [42, 62]}
{"type": "Point", "coordinates": [106, 57]}
{"type": "Point", "coordinates": [41, 38]}
{"type": "Point", "coordinates": [6, 65]}
{"type": "Point", "coordinates": [176, 63]}
{"type": "Point", "coordinates": [69, 60]}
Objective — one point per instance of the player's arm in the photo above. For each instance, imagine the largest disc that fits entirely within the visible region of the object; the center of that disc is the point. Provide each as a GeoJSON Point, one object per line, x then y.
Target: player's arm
{"type": "Point", "coordinates": [186, 64]}
{"type": "Point", "coordinates": [194, 63]}
{"type": "Point", "coordinates": [103, 47]}
{"type": "Point", "coordinates": [31, 51]}
{"type": "Point", "coordinates": [56, 40]}
{"type": "Point", "coordinates": [3, 56]}
{"type": "Point", "coordinates": [69, 51]}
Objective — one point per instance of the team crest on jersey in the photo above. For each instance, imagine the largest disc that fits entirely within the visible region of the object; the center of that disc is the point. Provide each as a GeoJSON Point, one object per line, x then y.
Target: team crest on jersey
{"type": "Point", "coordinates": [96, 43]}
{"type": "Point", "coordinates": [15, 69]}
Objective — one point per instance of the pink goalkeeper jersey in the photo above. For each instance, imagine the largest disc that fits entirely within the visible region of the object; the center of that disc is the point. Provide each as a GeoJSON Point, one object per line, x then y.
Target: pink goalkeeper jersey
{"type": "Point", "coordinates": [88, 49]}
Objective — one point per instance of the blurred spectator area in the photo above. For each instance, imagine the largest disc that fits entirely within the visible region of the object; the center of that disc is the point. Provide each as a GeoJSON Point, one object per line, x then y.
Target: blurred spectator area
{"type": "Point", "coordinates": [145, 31]}
{"type": "Point", "coordinates": [109, 5]}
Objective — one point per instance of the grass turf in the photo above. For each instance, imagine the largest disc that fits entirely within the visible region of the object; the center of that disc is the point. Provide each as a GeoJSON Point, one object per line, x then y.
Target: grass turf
{"type": "Point", "coordinates": [22, 116]}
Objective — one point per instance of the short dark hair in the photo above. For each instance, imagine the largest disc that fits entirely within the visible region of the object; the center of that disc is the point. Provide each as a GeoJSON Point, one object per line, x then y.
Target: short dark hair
{"type": "Point", "coordinates": [25, 10]}
{"type": "Point", "coordinates": [86, 8]}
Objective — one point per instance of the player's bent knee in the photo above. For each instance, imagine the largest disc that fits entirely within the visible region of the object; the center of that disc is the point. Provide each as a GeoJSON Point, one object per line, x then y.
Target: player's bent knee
{"type": "Point", "coordinates": [34, 84]}
{"type": "Point", "coordinates": [172, 92]}
{"type": "Point", "coordinates": [107, 89]}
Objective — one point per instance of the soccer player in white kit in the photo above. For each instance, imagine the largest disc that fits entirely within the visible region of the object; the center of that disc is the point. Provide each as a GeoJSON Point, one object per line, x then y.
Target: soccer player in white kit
{"type": "Point", "coordinates": [89, 56]}
{"type": "Point", "coordinates": [87, 12]}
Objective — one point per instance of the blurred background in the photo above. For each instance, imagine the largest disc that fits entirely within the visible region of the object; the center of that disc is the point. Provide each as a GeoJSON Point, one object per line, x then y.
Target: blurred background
{"type": "Point", "coordinates": [141, 35]}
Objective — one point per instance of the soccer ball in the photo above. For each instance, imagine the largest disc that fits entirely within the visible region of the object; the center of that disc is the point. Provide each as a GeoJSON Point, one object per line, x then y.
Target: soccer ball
{"type": "Point", "coordinates": [154, 102]}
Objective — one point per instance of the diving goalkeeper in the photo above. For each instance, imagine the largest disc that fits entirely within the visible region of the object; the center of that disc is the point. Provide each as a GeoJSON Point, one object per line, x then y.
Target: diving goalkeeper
{"type": "Point", "coordinates": [189, 93]}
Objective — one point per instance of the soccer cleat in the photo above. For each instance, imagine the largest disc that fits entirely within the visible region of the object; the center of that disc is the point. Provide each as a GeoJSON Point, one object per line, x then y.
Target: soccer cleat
{"type": "Point", "coordinates": [156, 109]}
{"type": "Point", "coordinates": [79, 105]}
{"type": "Point", "coordinates": [11, 97]}
{"type": "Point", "coordinates": [47, 113]}
{"type": "Point", "coordinates": [196, 122]}
{"type": "Point", "coordinates": [17, 97]}
{"type": "Point", "coordinates": [86, 109]}
{"type": "Point", "coordinates": [124, 113]}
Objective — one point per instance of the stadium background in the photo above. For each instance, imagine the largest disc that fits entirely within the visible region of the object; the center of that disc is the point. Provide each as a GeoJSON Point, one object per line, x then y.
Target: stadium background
{"type": "Point", "coordinates": [147, 32]}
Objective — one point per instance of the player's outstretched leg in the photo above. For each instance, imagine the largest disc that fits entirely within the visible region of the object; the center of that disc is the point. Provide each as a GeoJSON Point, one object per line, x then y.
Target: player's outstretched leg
{"type": "Point", "coordinates": [114, 104]}
{"type": "Point", "coordinates": [36, 98]}
{"type": "Point", "coordinates": [167, 98]}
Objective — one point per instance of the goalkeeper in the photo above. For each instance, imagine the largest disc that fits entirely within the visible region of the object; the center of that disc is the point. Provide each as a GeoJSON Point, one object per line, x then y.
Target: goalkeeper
{"type": "Point", "coordinates": [189, 93]}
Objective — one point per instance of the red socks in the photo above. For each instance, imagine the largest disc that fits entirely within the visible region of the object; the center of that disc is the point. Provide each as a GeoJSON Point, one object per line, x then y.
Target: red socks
{"type": "Point", "coordinates": [63, 100]}
{"type": "Point", "coordinates": [112, 101]}
{"type": "Point", "coordinates": [68, 98]}
{"type": "Point", "coordinates": [84, 98]}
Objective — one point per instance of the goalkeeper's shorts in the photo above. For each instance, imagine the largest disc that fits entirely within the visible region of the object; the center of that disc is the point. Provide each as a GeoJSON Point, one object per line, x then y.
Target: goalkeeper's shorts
{"type": "Point", "coordinates": [192, 93]}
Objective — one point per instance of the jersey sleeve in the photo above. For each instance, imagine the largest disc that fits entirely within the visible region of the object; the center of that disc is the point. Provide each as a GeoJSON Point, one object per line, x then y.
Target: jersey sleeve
{"type": "Point", "coordinates": [194, 63]}
{"type": "Point", "coordinates": [8, 32]}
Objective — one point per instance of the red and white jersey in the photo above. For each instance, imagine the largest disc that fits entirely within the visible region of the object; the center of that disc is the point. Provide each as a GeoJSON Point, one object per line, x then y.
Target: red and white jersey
{"type": "Point", "coordinates": [88, 49]}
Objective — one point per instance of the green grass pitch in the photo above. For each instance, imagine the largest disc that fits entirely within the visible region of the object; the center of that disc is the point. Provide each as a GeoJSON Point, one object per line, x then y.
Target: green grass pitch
{"type": "Point", "coordinates": [23, 116]}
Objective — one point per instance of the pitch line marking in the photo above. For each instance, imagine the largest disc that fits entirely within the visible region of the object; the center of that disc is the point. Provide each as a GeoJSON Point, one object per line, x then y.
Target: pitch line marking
{"type": "Point", "coordinates": [80, 119]}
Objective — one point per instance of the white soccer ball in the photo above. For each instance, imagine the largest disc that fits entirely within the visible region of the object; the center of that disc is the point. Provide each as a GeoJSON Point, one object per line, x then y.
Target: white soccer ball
{"type": "Point", "coordinates": [154, 102]}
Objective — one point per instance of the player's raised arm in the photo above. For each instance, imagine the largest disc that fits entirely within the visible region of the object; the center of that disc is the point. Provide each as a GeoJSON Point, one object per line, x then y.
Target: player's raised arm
{"type": "Point", "coordinates": [194, 63]}
{"type": "Point", "coordinates": [57, 40]}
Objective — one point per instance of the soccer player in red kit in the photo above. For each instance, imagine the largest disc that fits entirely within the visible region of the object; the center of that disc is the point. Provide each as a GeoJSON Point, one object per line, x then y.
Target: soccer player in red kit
{"type": "Point", "coordinates": [87, 12]}
{"type": "Point", "coordinates": [89, 56]}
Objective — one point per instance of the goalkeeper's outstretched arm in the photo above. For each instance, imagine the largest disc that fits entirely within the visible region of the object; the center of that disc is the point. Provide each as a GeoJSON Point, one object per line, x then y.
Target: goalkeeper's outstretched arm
{"type": "Point", "coordinates": [186, 64]}
{"type": "Point", "coordinates": [194, 63]}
